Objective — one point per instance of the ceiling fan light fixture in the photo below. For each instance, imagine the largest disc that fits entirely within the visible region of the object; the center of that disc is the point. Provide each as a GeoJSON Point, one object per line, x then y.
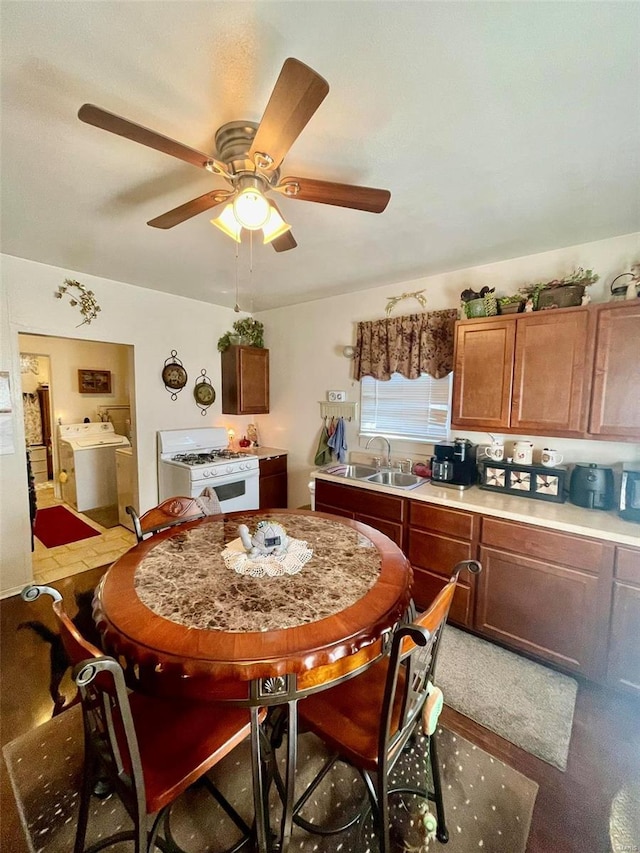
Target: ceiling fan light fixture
{"type": "Point", "coordinates": [228, 223]}
{"type": "Point", "coordinates": [250, 206]}
{"type": "Point", "coordinates": [275, 226]}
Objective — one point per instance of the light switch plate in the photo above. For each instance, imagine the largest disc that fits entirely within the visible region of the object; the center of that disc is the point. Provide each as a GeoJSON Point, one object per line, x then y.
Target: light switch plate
{"type": "Point", "coordinates": [336, 396]}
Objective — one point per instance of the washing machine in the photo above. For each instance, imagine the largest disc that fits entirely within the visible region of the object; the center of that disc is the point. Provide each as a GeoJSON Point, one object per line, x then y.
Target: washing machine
{"type": "Point", "coordinates": [87, 454]}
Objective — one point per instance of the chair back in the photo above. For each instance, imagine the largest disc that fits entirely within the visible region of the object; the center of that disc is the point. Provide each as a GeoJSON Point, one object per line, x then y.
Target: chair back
{"type": "Point", "coordinates": [108, 725]}
{"type": "Point", "coordinates": [109, 728]}
{"type": "Point", "coordinates": [176, 510]}
{"type": "Point", "coordinates": [75, 645]}
{"type": "Point", "coordinates": [412, 660]}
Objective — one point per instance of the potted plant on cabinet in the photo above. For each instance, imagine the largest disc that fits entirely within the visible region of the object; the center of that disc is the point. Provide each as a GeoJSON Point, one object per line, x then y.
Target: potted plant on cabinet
{"type": "Point", "coordinates": [560, 293]}
{"type": "Point", "coordinates": [510, 304]}
{"type": "Point", "coordinates": [247, 332]}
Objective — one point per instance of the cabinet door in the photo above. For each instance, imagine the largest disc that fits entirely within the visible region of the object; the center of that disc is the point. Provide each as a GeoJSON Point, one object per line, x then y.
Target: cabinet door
{"type": "Point", "coordinates": [552, 373]}
{"type": "Point", "coordinates": [547, 610]}
{"type": "Point", "coordinates": [615, 399]}
{"type": "Point", "coordinates": [623, 668]}
{"type": "Point", "coordinates": [273, 482]}
{"type": "Point", "coordinates": [482, 374]}
{"type": "Point", "coordinates": [245, 381]}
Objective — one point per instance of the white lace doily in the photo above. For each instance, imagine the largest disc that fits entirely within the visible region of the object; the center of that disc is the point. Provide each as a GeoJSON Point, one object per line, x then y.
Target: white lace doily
{"type": "Point", "coordinates": [275, 565]}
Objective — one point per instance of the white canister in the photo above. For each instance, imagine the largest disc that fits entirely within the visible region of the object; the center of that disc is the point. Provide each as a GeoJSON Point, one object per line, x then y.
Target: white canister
{"type": "Point", "coordinates": [551, 458]}
{"type": "Point", "coordinates": [522, 452]}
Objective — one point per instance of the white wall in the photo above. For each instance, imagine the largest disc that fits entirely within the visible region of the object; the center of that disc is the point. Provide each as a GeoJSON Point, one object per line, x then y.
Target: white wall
{"type": "Point", "coordinates": [307, 359]}
{"type": "Point", "coordinates": [153, 324]}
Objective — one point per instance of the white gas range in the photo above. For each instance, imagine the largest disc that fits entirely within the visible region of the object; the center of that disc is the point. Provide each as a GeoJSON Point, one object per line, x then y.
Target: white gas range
{"type": "Point", "coordinates": [189, 460]}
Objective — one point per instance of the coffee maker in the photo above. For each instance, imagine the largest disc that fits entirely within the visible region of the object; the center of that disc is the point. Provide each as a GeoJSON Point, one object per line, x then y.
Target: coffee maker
{"type": "Point", "coordinates": [455, 464]}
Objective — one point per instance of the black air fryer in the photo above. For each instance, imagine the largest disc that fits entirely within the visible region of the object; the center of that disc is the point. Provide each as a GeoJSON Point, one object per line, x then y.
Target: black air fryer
{"type": "Point", "coordinates": [592, 486]}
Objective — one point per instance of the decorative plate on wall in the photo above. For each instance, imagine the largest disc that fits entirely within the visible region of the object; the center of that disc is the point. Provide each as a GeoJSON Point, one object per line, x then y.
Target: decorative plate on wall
{"type": "Point", "coordinates": [174, 375]}
{"type": "Point", "coordinates": [204, 393]}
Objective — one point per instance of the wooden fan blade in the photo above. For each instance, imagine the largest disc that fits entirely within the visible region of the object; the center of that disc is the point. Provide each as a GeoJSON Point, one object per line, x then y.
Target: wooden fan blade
{"type": "Point", "coordinates": [284, 243]}
{"type": "Point", "coordinates": [190, 208]}
{"type": "Point", "coordinates": [298, 93]}
{"type": "Point", "coordinates": [123, 127]}
{"type": "Point", "coordinates": [342, 195]}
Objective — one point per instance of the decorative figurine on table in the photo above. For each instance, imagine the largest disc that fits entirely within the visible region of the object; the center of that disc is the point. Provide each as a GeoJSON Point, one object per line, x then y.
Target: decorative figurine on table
{"type": "Point", "coordinates": [269, 538]}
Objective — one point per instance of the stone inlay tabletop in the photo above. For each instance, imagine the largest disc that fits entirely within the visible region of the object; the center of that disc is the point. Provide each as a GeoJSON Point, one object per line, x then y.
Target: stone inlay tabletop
{"type": "Point", "coordinates": [184, 578]}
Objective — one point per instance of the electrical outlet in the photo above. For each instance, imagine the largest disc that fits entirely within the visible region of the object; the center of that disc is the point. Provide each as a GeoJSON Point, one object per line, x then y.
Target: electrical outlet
{"type": "Point", "coordinates": [336, 396]}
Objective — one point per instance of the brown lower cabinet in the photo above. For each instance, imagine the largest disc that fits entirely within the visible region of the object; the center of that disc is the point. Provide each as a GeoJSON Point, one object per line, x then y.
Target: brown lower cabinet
{"type": "Point", "coordinates": [384, 512]}
{"type": "Point", "coordinates": [623, 662]}
{"type": "Point", "coordinates": [565, 599]}
{"type": "Point", "coordinates": [438, 539]}
{"type": "Point", "coordinates": [273, 482]}
{"type": "Point", "coordinates": [551, 603]}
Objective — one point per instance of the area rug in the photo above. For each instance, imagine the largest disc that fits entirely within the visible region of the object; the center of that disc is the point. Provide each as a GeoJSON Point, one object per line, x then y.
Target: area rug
{"type": "Point", "coordinates": [489, 805]}
{"type": "Point", "coordinates": [57, 526]}
{"type": "Point", "coordinates": [522, 701]}
{"type": "Point", "coordinates": [105, 516]}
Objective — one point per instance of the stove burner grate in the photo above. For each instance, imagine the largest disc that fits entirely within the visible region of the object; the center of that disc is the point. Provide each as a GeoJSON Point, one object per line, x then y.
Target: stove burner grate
{"type": "Point", "coordinates": [208, 458]}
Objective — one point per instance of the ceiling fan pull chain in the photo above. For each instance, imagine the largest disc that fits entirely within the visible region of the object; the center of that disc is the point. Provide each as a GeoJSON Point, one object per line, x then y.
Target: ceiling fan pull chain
{"type": "Point", "coordinates": [236, 307]}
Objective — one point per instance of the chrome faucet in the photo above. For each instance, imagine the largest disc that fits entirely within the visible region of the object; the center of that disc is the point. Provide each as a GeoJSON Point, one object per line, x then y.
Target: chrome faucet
{"type": "Point", "coordinates": [386, 441]}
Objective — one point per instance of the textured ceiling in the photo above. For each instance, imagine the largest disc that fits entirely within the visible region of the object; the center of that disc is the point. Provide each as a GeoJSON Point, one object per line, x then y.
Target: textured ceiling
{"type": "Point", "coordinates": [501, 130]}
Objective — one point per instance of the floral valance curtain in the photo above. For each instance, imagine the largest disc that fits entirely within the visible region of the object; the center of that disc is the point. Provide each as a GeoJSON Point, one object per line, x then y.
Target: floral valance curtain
{"type": "Point", "coordinates": [409, 345]}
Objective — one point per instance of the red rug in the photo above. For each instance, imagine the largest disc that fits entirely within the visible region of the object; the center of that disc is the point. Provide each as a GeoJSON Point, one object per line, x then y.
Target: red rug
{"type": "Point", "coordinates": [57, 526]}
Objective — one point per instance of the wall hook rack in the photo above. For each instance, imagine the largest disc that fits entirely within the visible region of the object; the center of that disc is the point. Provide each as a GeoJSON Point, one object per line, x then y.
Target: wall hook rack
{"type": "Point", "coordinates": [348, 411]}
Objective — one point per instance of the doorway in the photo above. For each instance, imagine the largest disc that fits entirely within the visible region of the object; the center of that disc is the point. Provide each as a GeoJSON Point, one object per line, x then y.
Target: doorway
{"type": "Point", "coordinates": [69, 536]}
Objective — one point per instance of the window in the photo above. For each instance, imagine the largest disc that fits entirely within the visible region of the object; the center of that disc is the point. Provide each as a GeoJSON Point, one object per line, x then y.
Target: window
{"type": "Point", "coordinates": [410, 409]}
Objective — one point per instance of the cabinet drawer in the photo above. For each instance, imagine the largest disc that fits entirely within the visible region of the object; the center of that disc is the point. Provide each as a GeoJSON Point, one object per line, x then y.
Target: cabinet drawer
{"type": "Point", "coordinates": [564, 548]}
{"type": "Point", "coordinates": [273, 465]}
{"type": "Point", "coordinates": [449, 521]}
{"type": "Point", "coordinates": [437, 553]}
{"type": "Point", "coordinates": [39, 467]}
{"type": "Point", "coordinates": [38, 454]}
{"type": "Point", "coordinates": [362, 501]}
{"type": "Point", "coordinates": [627, 565]}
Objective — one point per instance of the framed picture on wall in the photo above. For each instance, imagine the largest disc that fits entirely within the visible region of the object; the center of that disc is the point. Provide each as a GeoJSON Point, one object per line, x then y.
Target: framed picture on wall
{"type": "Point", "coordinates": [94, 381]}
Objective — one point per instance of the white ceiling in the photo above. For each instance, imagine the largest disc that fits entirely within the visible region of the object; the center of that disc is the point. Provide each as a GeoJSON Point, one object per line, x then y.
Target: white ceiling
{"type": "Point", "coordinates": [501, 130]}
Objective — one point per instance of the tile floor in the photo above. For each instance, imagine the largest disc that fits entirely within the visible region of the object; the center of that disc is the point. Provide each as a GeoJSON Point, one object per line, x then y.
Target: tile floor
{"type": "Point", "coordinates": [52, 564]}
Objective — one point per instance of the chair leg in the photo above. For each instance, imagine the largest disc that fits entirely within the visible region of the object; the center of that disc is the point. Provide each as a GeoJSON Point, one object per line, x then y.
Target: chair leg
{"type": "Point", "coordinates": [90, 764]}
{"type": "Point", "coordinates": [442, 834]}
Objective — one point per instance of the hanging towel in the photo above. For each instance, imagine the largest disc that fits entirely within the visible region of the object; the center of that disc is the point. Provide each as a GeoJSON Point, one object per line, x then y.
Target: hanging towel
{"type": "Point", "coordinates": [337, 441]}
{"type": "Point", "coordinates": [323, 453]}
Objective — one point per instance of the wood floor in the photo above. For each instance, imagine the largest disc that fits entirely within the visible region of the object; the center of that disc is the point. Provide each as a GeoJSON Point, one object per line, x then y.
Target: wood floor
{"type": "Point", "coordinates": [572, 808]}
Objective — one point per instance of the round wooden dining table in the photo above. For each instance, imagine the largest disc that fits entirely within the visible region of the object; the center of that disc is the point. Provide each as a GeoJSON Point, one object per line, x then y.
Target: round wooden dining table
{"type": "Point", "coordinates": [183, 623]}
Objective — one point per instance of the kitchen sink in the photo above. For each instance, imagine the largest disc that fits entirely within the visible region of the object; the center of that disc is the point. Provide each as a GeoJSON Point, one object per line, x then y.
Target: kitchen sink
{"type": "Point", "coordinates": [355, 472]}
{"type": "Point", "coordinates": [396, 479]}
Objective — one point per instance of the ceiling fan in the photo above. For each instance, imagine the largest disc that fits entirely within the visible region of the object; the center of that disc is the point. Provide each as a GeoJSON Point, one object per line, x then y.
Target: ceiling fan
{"type": "Point", "coordinates": [249, 156]}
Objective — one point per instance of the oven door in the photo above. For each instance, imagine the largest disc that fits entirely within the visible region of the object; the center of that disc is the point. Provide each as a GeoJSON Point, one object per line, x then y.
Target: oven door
{"type": "Point", "coordinates": [234, 491]}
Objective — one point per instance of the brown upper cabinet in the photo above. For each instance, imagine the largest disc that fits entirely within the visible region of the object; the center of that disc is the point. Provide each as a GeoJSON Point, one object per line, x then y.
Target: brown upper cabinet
{"type": "Point", "coordinates": [245, 381]}
{"type": "Point", "coordinates": [615, 400]}
{"type": "Point", "coordinates": [534, 373]}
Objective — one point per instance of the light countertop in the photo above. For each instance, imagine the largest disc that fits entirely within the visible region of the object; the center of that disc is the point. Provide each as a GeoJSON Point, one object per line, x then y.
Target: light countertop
{"type": "Point", "coordinates": [264, 452]}
{"type": "Point", "coordinates": [556, 516]}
